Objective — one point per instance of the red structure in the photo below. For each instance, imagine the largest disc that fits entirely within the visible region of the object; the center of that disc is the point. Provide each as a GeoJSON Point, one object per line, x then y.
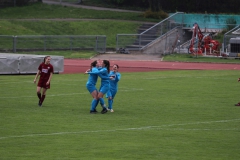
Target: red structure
{"type": "Point", "coordinates": [201, 44]}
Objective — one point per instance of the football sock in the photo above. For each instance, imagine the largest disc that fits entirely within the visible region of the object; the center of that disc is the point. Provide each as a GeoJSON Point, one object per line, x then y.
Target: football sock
{"type": "Point", "coordinates": [93, 106]}
{"type": "Point", "coordinates": [39, 95]}
{"type": "Point", "coordinates": [96, 104]}
{"type": "Point", "coordinates": [102, 102]}
{"type": "Point", "coordinates": [43, 97]}
{"type": "Point", "coordinates": [110, 101]}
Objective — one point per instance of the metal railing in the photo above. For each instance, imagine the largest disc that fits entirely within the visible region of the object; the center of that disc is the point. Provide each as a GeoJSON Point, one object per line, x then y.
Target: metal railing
{"type": "Point", "coordinates": [52, 42]}
{"type": "Point", "coordinates": [140, 41]}
{"type": "Point", "coordinates": [231, 42]}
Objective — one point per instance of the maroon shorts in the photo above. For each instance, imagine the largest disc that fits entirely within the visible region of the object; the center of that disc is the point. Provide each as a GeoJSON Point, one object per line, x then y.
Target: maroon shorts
{"type": "Point", "coordinates": [42, 84]}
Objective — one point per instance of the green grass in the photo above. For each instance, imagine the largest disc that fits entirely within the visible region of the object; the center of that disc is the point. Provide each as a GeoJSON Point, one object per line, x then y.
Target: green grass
{"type": "Point", "coordinates": [158, 115]}
{"type": "Point", "coordinates": [40, 10]}
{"type": "Point", "coordinates": [66, 54]}
{"type": "Point", "coordinates": [191, 58]}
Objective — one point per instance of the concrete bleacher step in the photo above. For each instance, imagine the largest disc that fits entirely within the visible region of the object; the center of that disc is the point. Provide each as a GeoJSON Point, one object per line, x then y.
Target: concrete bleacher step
{"type": "Point", "coordinates": [144, 27]}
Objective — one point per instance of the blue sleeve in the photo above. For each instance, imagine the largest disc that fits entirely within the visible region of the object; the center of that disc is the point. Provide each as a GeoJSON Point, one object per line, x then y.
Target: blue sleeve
{"type": "Point", "coordinates": [118, 77]}
{"type": "Point", "coordinates": [97, 71]}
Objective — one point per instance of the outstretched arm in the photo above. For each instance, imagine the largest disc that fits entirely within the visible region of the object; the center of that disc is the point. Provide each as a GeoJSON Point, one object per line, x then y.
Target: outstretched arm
{"type": "Point", "coordinates": [97, 71]}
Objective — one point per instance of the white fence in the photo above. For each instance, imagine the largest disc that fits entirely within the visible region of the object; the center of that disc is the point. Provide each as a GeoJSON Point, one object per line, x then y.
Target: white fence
{"type": "Point", "coordinates": [27, 64]}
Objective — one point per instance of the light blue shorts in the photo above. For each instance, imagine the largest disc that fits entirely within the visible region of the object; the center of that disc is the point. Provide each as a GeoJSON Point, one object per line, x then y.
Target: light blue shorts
{"type": "Point", "coordinates": [104, 89]}
{"type": "Point", "coordinates": [91, 88]}
{"type": "Point", "coordinates": [111, 93]}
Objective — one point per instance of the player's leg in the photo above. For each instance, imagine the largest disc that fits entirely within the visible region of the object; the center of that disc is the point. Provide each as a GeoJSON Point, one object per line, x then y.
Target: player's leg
{"type": "Point", "coordinates": [109, 97]}
{"type": "Point", "coordinates": [110, 101]}
{"type": "Point", "coordinates": [39, 95]}
{"type": "Point", "coordinates": [43, 95]}
{"type": "Point", "coordinates": [94, 101]}
{"type": "Point", "coordinates": [94, 93]}
{"type": "Point", "coordinates": [104, 89]}
{"type": "Point", "coordinates": [101, 100]}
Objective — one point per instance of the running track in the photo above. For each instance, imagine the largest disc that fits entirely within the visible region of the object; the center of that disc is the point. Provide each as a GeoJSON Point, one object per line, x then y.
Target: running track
{"type": "Point", "coordinates": [80, 66]}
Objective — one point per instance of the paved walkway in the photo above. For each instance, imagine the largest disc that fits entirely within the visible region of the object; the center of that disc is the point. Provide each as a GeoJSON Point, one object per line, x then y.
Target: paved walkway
{"type": "Point", "coordinates": [87, 7]}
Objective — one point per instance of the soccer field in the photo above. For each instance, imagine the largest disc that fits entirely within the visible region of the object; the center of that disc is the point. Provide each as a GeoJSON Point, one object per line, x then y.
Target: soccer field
{"type": "Point", "coordinates": [169, 115]}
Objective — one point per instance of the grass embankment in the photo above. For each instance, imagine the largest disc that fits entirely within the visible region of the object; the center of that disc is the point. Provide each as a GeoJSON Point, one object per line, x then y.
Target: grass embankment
{"type": "Point", "coordinates": [40, 11]}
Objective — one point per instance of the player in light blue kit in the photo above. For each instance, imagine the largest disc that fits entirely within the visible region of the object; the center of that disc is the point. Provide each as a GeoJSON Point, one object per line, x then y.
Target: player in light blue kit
{"type": "Point", "coordinates": [105, 86]}
{"type": "Point", "coordinates": [91, 86]}
{"type": "Point", "coordinates": [115, 76]}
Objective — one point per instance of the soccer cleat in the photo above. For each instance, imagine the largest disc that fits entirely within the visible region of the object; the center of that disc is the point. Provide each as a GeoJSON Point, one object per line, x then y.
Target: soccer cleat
{"type": "Point", "coordinates": [237, 104]}
{"type": "Point", "coordinates": [39, 103]}
{"type": "Point", "coordinates": [111, 110]}
{"type": "Point", "coordinates": [104, 110]}
{"type": "Point", "coordinates": [93, 112]}
{"type": "Point", "coordinates": [108, 109]}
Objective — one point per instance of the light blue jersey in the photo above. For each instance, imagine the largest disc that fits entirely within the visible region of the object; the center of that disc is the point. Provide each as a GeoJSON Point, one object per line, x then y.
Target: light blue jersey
{"type": "Point", "coordinates": [114, 81]}
{"type": "Point", "coordinates": [103, 74]}
{"type": "Point", "coordinates": [92, 80]}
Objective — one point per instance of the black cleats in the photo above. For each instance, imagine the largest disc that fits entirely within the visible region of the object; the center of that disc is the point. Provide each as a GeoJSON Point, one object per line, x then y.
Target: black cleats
{"type": "Point", "coordinates": [93, 112]}
{"type": "Point", "coordinates": [104, 110]}
{"type": "Point", "coordinates": [39, 103]}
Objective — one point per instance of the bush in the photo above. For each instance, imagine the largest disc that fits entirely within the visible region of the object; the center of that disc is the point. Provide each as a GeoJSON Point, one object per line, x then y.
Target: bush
{"type": "Point", "coordinates": [156, 15]}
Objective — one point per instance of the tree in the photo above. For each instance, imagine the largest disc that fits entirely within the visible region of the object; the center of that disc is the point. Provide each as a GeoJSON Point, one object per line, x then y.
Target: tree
{"type": "Point", "coordinates": [21, 2]}
{"type": "Point", "coordinates": [154, 5]}
{"type": "Point", "coordinates": [118, 1]}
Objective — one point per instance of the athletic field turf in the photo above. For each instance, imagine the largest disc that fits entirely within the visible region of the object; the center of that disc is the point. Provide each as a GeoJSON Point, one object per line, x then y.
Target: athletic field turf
{"type": "Point", "coordinates": [168, 115]}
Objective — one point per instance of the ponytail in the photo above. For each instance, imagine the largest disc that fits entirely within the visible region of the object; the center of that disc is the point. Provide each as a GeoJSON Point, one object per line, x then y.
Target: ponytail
{"type": "Point", "coordinates": [107, 65]}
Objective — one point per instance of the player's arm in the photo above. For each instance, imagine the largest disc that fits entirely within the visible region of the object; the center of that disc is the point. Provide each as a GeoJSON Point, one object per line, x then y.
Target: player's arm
{"type": "Point", "coordinates": [50, 78]}
{"type": "Point", "coordinates": [51, 73]}
{"type": "Point", "coordinates": [38, 73]}
{"type": "Point", "coordinates": [96, 71]}
{"type": "Point", "coordinates": [118, 77]}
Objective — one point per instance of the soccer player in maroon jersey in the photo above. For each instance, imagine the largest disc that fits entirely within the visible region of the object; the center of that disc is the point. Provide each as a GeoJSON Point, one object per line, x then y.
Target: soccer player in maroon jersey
{"type": "Point", "coordinates": [45, 70]}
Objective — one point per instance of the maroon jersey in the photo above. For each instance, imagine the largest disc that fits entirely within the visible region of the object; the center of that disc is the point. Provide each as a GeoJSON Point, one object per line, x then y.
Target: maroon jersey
{"type": "Point", "coordinates": [45, 70]}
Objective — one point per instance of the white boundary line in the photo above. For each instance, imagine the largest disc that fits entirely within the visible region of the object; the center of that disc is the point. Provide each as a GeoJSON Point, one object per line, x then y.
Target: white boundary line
{"type": "Point", "coordinates": [129, 129]}
{"type": "Point", "coordinates": [55, 95]}
{"type": "Point", "coordinates": [52, 95]}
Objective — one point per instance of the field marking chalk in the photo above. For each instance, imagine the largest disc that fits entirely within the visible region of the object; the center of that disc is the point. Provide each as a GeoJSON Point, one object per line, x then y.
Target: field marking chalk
{"type": "Point", "coordinates": [128, 129]}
